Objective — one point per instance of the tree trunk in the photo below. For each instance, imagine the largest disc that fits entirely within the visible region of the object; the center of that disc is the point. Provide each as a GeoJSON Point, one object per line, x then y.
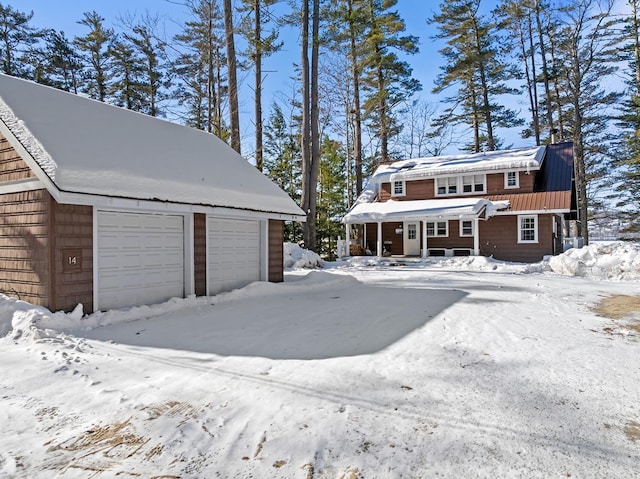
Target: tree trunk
{"type": "Point", "coordinates": [234, 118]}
{"type": "Point", "coordinates": [305, 138]}
{"type": "Point", "coordinates": [545, 70]}
{"type": "Point", "coordinates": [258, 89]}
{"type": "Point", "coordinates": [357, 116]}
{"type": "Point", "coordinates": [315, 125]}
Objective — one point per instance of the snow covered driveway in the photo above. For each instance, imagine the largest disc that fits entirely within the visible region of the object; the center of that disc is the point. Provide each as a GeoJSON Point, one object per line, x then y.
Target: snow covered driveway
{"type": "Point", "coordinates": [412, 371]}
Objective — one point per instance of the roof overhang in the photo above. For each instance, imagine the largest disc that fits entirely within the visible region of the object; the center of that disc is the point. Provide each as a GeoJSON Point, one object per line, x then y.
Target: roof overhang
{"type": "Point", "coordinates": [424, 210]}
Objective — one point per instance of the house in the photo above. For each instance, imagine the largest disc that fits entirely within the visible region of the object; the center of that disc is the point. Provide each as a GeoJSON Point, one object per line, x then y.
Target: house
{"type": "Point", "coordinates": [111, 208]}
{"type": "Point", "coordinates": [513, 205]}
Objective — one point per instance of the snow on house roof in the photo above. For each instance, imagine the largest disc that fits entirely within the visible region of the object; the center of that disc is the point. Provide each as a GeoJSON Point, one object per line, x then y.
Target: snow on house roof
{"type": "Point", "coordinates": [85, 146]}
{"type": "Point", "coordinates": [422, 209]}
{"type": "Point", "coordinates": [520, 158]}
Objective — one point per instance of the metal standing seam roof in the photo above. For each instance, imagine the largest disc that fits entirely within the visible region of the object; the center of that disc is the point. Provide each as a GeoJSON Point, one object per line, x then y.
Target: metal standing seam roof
{"type": "Point", "coordinates": [540, 201]}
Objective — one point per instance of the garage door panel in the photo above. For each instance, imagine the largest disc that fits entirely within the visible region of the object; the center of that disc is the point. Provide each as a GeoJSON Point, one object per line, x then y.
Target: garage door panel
{"type": "Point", "coordinates": [233, 254]}
{"type": "Point", "coordinates": [140, 258]}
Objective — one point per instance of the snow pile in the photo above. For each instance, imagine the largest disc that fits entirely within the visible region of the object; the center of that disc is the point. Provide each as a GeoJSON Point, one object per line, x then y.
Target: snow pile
{"type": "Point", "coordinates": [296, 257]}
{"type": "Point", "coordinates": [617, 260]}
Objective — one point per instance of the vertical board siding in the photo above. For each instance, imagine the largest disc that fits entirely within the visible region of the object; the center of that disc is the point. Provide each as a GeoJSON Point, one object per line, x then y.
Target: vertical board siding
{"type": "Point", "coordinates": [24, 246]}
{"type": "Point", "coordinates": [200, 253]}
{"type": "Point", "coordinates": [12, 167]}
{"type": "Point", "coordinates": [276, 251]}
{"type": "Point", "coordinates": [72, 230]}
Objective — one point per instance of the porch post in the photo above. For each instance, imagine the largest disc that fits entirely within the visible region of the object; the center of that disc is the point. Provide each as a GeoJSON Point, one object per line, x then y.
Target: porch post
{"type": "Point", "coordinates": [348, 239]}
{"type": "Point", "coordinates": [476, 237]}
{"type": "Point", "coordinates": [379, 248]}
{"type": "Point", "coordinates": [364, 237]}
{"type": "Point", "coordinates": [424, 239]}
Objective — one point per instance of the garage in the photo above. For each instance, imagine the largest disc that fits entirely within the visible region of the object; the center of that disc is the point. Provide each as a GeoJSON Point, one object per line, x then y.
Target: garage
{"type": "Point", "coordinates": [140, 258]}
{"type": "Point", "coordinates": [234, 249]}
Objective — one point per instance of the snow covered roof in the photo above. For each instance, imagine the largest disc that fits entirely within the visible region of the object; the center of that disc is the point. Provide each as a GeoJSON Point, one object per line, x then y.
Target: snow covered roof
{"type": "Point", "coordinates": [414, 169]}
{"type": "Point", "coordinates": [85, 146]}
{"type": "Point", "coordinates": [423, 209]}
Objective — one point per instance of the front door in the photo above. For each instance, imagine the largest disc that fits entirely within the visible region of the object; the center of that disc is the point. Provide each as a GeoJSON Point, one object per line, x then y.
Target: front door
{"type": "Point", "coordinates": [411, 238]}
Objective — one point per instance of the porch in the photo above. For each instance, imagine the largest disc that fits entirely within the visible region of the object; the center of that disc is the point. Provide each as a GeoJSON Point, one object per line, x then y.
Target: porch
{"type": "Point", "coordinates": [420, 228]}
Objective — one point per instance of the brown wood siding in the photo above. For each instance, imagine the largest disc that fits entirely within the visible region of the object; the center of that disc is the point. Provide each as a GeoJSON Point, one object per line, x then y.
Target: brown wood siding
{"type": "Point", "coordinates": [454, 240]}
{"type": "Point", "coordinates": [495, 184]}
{"type": "Point", "coordinates": [200, 253]}
{"type": "Point", "coordinates": [24, 246]}
{"type": "Point", "coordinates": [499, 238]}
{"type": "Point", "coordinates": [414, 190]}
{"type": "Point", "coordinates": [72, 235]}
{"type": "Point", "coordinates": [276, 251]}
{"type": "Point", "coordinates": [12, 167]}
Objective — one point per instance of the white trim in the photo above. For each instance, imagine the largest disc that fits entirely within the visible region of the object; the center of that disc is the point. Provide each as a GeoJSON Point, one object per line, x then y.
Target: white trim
{"type": "Point", "coordinates": [162, 207]}
{"type": "Point", "coordinates": [435, 229]}
{"type": "Point", "coordinates": [96, 283]}
{"type": "Point", "coordinates": [393, 188]}
{"type": "Point", "coordinates": [20, 186]}
{"type": "Point", "coordinates": [476, 237]}
{"type": "Point", "coordinates": [189, 257]}
{"type": "Point", "coordinates": [535, 231]}
{"type": "Point", "coordinates": [29, 160]}
{"type": "Point", "coordinates": [264, 250]}
{"type": "Point", "coordinates": [506, 180]}
{"type": "Point", "coordinates": [379, 244]}
{"type": "Point", "coordinates": [460, 185]}
{"type": "Point", "coordinates": [473, 230]}
{"type": "Point", "coordinates": [530, 212]}
{"type": "Point", "coordinates": [425, 251]}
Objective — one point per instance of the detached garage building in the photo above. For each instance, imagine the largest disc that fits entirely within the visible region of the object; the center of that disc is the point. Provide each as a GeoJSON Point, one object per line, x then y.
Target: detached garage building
{"type": "Point", "coordinates": [111, 208]}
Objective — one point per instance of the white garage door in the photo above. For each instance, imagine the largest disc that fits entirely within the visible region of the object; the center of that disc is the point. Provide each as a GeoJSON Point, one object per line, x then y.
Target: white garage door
{"type": "Point", "coordinates": [233, 254]}
{"type": "Point", "coordinates": [140, 258]}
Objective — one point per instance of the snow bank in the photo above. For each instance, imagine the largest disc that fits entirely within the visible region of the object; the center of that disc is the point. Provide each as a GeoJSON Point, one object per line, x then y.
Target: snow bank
{"type": "Point", "coordinates": [296, 257]}
{"type": "Point", "coordinates": [616, 260]}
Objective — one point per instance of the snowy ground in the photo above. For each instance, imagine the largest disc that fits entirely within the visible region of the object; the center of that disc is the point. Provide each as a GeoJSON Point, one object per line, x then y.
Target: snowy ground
{"type": "Point", "coordinates": [366, 369]}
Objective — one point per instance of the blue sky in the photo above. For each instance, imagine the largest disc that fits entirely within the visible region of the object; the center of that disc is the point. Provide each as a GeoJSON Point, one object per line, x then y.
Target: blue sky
{"type": "Point", "coordinates": [64, 15]}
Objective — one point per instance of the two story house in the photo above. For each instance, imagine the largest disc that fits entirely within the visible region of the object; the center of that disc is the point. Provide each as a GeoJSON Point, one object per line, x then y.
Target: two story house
{"type": "Point", "coordinates": [513, 205]}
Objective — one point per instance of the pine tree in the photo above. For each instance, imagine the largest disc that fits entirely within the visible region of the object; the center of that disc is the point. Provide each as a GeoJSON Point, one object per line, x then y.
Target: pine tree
{"type": "Point", "coordinates": [234, 114]}
{"type": "Point", "coordinates": [198, 68]}
{"type": "Point", "coordinates": [387, 79]}
{"type": "Point", "coordinates": [588, 55]}
{"type": "Point", "coordinates": [347, 36]}
{"type": "Point", "coordinates": [95, 51]}
{"type": "Point", "coordinates": [627, 160]}
{"type": "Point", "coordinates": [282, 161]}
{"type": "Point", "coordinates": [62, 66]}
{"type": "Point", "coordinates": [17, 37]}
{"type": "Point", "coordinates": [126, 88]}
{"type": "Point", "coordinates": [332, 205]}
{"type": "Point", "coordinates": [474, 63]}
{"type": "Point", "coordinates": [259, 46]}
{"type": "Point", "coordinates": [154, 79]}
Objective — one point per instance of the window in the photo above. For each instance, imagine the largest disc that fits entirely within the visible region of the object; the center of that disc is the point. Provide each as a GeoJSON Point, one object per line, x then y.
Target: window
{"type": "Point", "coordinates": [447, 185]}
{"type": "Point", "coordinates": [452, 185]}
{"type": "Point", "coordinates": [528, 229]}
{"type": "Point", "coordinates": [437, 228]}
{"type": "Point", "coordinates": [466, 228]}
{"type": "Point", "coordinates": [412, 231]}
{"type": "Point", "coordinates": [511, 179]}
{"type": "Point", "coordinates": [397, 188]}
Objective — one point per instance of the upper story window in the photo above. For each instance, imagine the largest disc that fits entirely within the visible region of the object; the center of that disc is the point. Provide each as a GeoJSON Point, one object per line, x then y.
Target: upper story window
{"type": "Point", "coordinates": [466, 185]}
{"type": "Point", "coordinates": [447, 185]}
{"type": "Point", "coordinates": [528, 229]}
{"type": "Point", "coordinates": [511, 179]}
{"type": "Point", "coordinates": [398, 188]}
{"type": "Point", "coordinates": [473, 184]}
